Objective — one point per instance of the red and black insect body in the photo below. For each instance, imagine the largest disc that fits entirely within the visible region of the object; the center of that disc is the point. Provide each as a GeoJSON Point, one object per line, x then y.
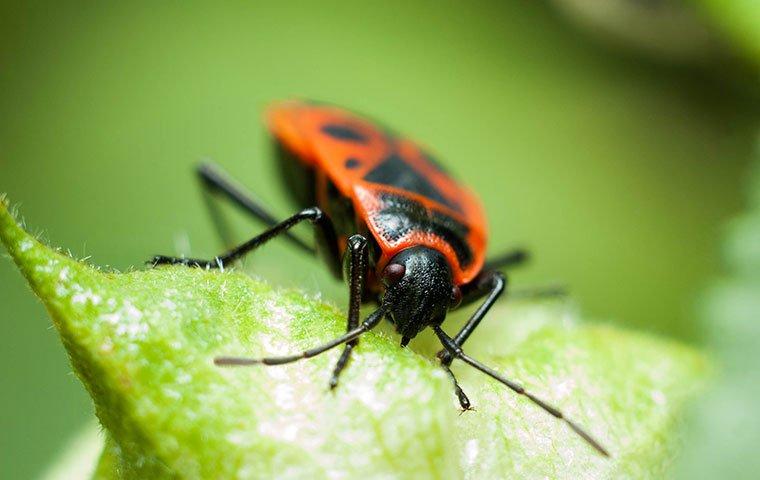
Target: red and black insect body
{"type": "Point", "coordinates": [412, 238]}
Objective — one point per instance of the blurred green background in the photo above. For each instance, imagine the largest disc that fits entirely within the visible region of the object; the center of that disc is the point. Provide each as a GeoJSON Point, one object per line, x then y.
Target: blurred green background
{"type": "Point", "coordinates": [615, 169]}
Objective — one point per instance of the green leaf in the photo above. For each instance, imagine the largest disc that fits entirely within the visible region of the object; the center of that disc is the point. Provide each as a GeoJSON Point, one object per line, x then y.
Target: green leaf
{"type": "Point", "coordinates": [724, 428]}
{"type": "Point", "coordinates": [738, 20]}
{"type": "Point", "coordinates": [142, 343]}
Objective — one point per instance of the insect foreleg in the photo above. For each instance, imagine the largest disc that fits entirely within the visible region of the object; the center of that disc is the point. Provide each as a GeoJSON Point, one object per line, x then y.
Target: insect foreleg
{"type": "Point", "coordinates": [491, 285]}
{"type": "Point", "coordinates": [464, 401]}
{"type": "Point", "coordinates": [455, 350]}
{"type": "Point", "coordinates": [357, 267]}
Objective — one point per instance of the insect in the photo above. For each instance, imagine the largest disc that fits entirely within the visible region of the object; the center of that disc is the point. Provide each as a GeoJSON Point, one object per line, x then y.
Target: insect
{"type": "Point", "coordinates": [411, 238]}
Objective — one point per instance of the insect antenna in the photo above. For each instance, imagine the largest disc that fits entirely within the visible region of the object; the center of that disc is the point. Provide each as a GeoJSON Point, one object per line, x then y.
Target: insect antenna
{"type": "Point", "coordinates": [372, 320]}
{"type": "Point", "coordinates": [457, 351]}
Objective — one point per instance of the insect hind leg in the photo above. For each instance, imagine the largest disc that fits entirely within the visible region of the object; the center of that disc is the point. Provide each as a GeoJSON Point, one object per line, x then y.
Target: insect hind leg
{"type": "Point", "coordinates": [511, 258]}
{"type": "Point", "coordinates": [325, 235]}
{"type": "Point", "coordinates": [215, 181]}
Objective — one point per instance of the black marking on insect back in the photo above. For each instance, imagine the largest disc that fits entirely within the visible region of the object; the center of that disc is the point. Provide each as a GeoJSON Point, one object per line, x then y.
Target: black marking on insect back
{"type": "Point", "coordinates": [434, 162]}
{"type": "Point", "coordinates": [400, 216]}
{"type": "Point", "coordinates": [395, 172]}
{"type": "Point", "coordinates": [352, 163]}
{"type": "Point", "coordinates": [344, 133]}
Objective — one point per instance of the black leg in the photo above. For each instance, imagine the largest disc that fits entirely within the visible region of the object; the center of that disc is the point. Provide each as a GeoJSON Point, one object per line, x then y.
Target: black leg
{"type": "Point", "coordinates": [215, 181]}
{"type": "Point", "coordinates": [541, 292]}
{"type": "Point", "coordinates": [455, 351]}
{"type": "Point", "coordinates": [491, 285]}
{"type": "Point", "coordinates": [515, 258]}
{"type": "Point", "coordinates": [464, 402]}
{"type": "Point", "coordinates": [325, 238]}
{"type": "Point", "coordinates": [221, 222]}
{"type": "Point", "coordinates": [357, 267]}
{"type": "Point", "coordinates": [506, 259]}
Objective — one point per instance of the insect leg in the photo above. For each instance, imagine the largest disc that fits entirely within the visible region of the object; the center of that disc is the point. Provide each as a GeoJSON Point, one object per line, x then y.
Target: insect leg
{"type": "Point", "coordinates": [464, 402]}
{"type": "Point", "coordinates": [325, 237]}
{"type": "Point", "coordinates": [455, 350]}
{"type": "Point", "coordinates": [511, 258]}
{"type": "Point", "coordinates": [357, 249]}
{"type": "Point", "coordinates": [515, 258]}
{"type": "Point", "coordinates": [543, 291]}
{"type": "Point", "coordinates": [215, 181]}
{"type": "Point", "coordinates": [491, 285]}
{"type": "Point", "coordinates": [367, 325]}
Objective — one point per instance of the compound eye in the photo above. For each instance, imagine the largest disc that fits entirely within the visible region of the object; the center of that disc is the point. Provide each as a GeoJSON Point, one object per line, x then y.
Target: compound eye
{"type": "Point", "coordinates": [393, 273]}
{"type": "Point", "coordinates": [456, 297]}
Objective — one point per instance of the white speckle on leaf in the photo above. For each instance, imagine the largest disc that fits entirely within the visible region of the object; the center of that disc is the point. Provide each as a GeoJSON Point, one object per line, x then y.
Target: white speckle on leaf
{"type": "Point", "coordinates": [127, 319]}
{"type": "Point", "coordinates": [281, 316]}
{"type": "Point", "coordinates": [25, 245]}
{"type": "Point", "coordinates": [274, 345]}
{"type": "Point", "coordinates": [106, 346]}
{"type": "Point", "coordinates": [44, 268]}
{"type": "Point", "coordinates": [563, 388]}
{"type": "Point", "coordinates": [284, 395]}
{"type": "Point", "coordinates": [132, 312]}
{"type": "Point", "coordinates": [287, 431]}
{"type": "Point", "coordinates": [280, 374]}
{"type": "Point", "coordinates": [132, 330]}
{"type": "Point", "coordinates": [85, 297]}
{"type": "Point", "coordinates": [171, 393]}
{"type": "Point", "coordinates": [238, 437]}
{"type": "Point", "coordinates": [367, 390]}
{"type": "Point", "coordinates": [471, 451]}
{"type": "Point", "coordinates": [658, 397]}
{"type": "Point", "coordinates": [64, 274]}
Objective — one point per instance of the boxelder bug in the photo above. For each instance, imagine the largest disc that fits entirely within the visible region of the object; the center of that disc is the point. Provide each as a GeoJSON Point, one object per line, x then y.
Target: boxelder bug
{"type": "Point", "coordinates": [413, 238]}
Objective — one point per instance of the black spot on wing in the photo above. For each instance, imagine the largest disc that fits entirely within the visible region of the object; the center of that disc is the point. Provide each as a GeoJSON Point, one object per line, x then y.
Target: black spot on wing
{"type": "Point", "coordinates": [400, 216]}
{"type": "Point", "coordinates": [352, 163]}
{"type": "Point", "coordinates": [395, 172]}
{"type": "Point", "coordinates": [344, 133]}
